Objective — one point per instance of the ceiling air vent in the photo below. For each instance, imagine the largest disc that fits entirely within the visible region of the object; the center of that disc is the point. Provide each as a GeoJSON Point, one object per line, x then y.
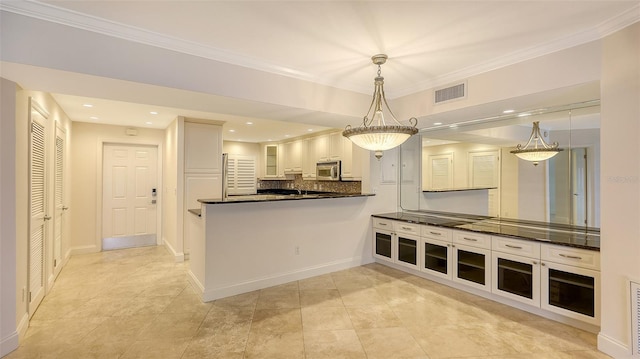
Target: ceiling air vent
{"type": "Point", "coordinates": [449, 93]}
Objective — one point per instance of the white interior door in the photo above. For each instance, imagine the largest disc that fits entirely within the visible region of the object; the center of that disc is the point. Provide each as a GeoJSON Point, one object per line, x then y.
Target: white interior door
{"type": "Point", "coordinates": [130, 178]}
{"type": "Point", "coordinates": [60, 208]}
{"type": "Point", "coordinates": [38, 206]}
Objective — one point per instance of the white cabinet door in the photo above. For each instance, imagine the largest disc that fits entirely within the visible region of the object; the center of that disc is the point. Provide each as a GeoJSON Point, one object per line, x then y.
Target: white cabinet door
{"type": "Point", "coordinates": [202, 148]}
{"type": "Point", "coordinates": [571, 291]}
{"type": "Point", "coordinates": [437, 258]}
{"type": "Point", "coordinates": [516, 277]}
{"type": "Point", "coordinates": [293, 157]}
{"type": "Point", "coordinates": [384, 246]}
{"type": "Point", "coordinates": [335, 146]}
{"type": "Point", "coordinates": [322, 148]}
{"type": "Point", "coordinates": [472, 266]}
{"type": "Point", "coordinates": [272, 161]}
{"type": "Point", "coordinates": [408, 250]}
{"type": "Point", "coordinates": [309, 159]}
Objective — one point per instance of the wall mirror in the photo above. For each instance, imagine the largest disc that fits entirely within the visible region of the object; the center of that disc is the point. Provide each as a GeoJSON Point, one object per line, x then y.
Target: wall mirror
{"type": "Point", "coordinates": [468, 167]}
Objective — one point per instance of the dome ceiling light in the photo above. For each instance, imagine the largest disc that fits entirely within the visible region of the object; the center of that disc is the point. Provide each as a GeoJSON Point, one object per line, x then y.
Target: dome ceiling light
{"type": "Point", "coordinates": [375, 134]}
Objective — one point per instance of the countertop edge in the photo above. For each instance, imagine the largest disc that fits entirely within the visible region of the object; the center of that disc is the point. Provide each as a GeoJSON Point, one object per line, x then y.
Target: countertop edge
{"type": "Point", "coordinates": [393, 216]}
{"type": "Point", "coordinates": [279, 198]}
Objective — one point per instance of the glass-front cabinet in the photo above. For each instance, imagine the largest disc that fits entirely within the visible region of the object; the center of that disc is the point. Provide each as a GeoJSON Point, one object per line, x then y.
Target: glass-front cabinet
{"type": "Point", "coordinates": [383, 239]}
{"type": "Point", "coordinates": [516, 269]}
{"type": "Point", "coordinates": [472, 259]}
{"type": "Point", "coordinates": [408, 240]}
{"type": "Point", "coordinates": [437, 251]}
{"type": "Point", "coordinates": [570, 283]}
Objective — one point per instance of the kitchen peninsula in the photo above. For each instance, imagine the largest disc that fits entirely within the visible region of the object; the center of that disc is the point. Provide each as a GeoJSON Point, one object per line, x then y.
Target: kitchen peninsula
{"type": "Point", "coordinates": [246, 243]}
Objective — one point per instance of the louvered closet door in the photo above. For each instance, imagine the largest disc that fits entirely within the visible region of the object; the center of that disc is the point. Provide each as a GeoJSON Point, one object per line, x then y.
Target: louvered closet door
{"type": "Point", "coordinates": [38, 208]}
{"type": "Point", "coordinates": [60, 208]}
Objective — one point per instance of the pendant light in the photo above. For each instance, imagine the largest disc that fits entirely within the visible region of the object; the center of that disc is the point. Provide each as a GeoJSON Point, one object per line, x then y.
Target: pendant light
{"type": "Point", "coordinates": [540, 151]}
{"type": "Point", "coordinates": [375, 134]}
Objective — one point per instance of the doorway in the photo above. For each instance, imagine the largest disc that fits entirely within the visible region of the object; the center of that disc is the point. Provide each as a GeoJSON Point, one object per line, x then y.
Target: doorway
{"type": "Point", "coordinates": [129, 196]}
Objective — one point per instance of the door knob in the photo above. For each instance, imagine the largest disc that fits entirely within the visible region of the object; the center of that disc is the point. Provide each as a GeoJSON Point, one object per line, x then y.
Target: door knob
{"type": "Point", "coordinates": [64, 208]}
{"type": "Point", "coordinates": [46, 218]}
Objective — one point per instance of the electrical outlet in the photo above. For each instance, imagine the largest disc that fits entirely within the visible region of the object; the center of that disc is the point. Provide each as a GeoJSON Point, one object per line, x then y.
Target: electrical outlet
{"type": "Point", "coordinates": [297, 250]}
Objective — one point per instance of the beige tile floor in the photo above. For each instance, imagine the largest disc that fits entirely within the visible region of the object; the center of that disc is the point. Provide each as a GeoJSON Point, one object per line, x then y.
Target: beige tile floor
{"type": "Point", "coordinates": [137, 303]}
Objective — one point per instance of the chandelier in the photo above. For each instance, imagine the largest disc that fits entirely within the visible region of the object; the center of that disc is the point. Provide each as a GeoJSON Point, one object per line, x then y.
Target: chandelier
{"type": "Point", "coordinates": [540, 150]}
{"type": "Point", "coordinates": [374, 134]}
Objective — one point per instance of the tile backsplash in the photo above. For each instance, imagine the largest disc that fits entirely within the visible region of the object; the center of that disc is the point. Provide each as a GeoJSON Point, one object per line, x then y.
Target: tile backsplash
{"type": "Point", "coordinates": [325, 186]}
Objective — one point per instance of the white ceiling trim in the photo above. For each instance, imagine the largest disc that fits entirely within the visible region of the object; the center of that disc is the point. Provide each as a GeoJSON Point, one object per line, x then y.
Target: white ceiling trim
{"type": "Point", "coordinates": [606, 28]}
{"type": "Point", "coordinates": [106, 27]}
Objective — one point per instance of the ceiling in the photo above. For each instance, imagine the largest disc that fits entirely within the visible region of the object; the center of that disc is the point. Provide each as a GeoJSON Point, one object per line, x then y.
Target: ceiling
{"type": "Point", "coordinates": [429, 43]}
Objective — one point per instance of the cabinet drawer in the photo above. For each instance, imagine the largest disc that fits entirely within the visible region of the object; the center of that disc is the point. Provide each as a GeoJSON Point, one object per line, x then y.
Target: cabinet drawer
{"type": "Point", "coordinates": [472, 239]}
{"type": "Point", "coordinates": [516, 246]}
{"type": "Point", "coordinates": [408, 228]}
{"type": "Point", "coordinates": [571, 256]}
{"type": "Point", "coordinates": [438, 233]}
{"type": "Point", "coordinates": [382, 223]}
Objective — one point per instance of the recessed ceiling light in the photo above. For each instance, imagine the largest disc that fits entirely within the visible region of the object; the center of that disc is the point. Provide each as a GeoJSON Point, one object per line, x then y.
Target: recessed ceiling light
{"type": "Point", "coordinates": [453, 126]}
{"type": "Point", "coordinates": [269, 140]}
{"type": "Point", "coordinates": [287, 135]}
{"type": "Point", "coordinates": [232, 130]}
{"type": "Point", "coordinates": [149, 123]}
{"type": "Point", "coordinates": [153, 112]}
{"type": "Point", "coordinates": [88, 105]}
{"type": "Point", "coordinates": [437, 123]}
{"type": "Point", "coordinates": [508, 111]}
{"type": "Point", "coordinates": [93, 118]}
{"type": "Point", "coordinates": [524, 114]}
{"type": "Point", "coordinates": [310, 130]}
{"type": "Point", "coordinates": [249, 123]}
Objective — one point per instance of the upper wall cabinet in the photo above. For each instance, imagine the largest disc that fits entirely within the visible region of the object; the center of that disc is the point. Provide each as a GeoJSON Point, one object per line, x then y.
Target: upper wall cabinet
{"type": "Point", "coordinates": [202, 148]}
{"type": "Point", "coordinates": [309, 158]}
{"type": "Point", "coordinates": [301, 156]}
{"type": "Point", "coordinates": [293, 157]}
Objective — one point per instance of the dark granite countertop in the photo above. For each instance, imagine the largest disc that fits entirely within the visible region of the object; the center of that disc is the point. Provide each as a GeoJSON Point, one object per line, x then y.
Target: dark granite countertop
{"type": "Point", "coordinates": [197, 212]}
{"type": "Point", "coordinates": [271, 197]}
{"type": "Point", "coordinates": [578, 237]}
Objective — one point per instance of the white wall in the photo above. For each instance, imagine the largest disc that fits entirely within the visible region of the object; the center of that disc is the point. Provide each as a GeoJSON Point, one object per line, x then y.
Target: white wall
{"type": "Point", "coordinates": [573, 66]}
{"type": "Point", "coordinates": [170, 178]}
{"type": "Point", "coordinates": [620, 187]}
{"type": "Point", "coordinates": [15, 107]}
{"type": "Point", "coordinates": [8, 327]}
{"type": "Point", "coordinates": [86, 177]}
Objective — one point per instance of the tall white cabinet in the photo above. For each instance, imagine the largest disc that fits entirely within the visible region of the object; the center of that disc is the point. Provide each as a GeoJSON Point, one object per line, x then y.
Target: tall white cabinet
{"type": "Point", "coordinates": [202, 167]}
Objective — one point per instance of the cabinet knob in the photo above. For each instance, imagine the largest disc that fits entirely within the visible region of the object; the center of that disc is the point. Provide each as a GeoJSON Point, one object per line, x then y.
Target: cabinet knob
{"type": "Point", "coordinates": [542, 264]}
{"type": "Point", "coordinates": [535, 262]}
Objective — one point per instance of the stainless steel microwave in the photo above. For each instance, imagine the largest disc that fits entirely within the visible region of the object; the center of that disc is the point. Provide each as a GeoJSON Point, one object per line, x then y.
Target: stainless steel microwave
{"type": "Point", "coordinates": [328, 171]}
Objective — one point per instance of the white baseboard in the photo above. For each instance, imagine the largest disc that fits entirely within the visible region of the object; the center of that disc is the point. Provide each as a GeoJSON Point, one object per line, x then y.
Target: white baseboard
{"type": "Point", "coordinates": [282, 278]}
{"type": "Point", "coordinates": [23, 325]}
{"type": "Point", "coordinates": [613, 347]}
{"type": "Point", "coordinates": [12, 341]}
{"type": "Point", "coordinates": [9, 344]}
{"type": "Point", "coordinates": [195, 283]}
{"type": "Point", "coordinates": [83, 249]}
{"type": "Point", "coordinates": [179, 257]}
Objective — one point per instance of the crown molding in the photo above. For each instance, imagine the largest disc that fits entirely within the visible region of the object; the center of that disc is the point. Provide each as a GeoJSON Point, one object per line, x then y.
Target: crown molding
{"type": "Point", "coordinates": [51, 13]}
{"type": "Point", "coordinates": [604, 29]}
